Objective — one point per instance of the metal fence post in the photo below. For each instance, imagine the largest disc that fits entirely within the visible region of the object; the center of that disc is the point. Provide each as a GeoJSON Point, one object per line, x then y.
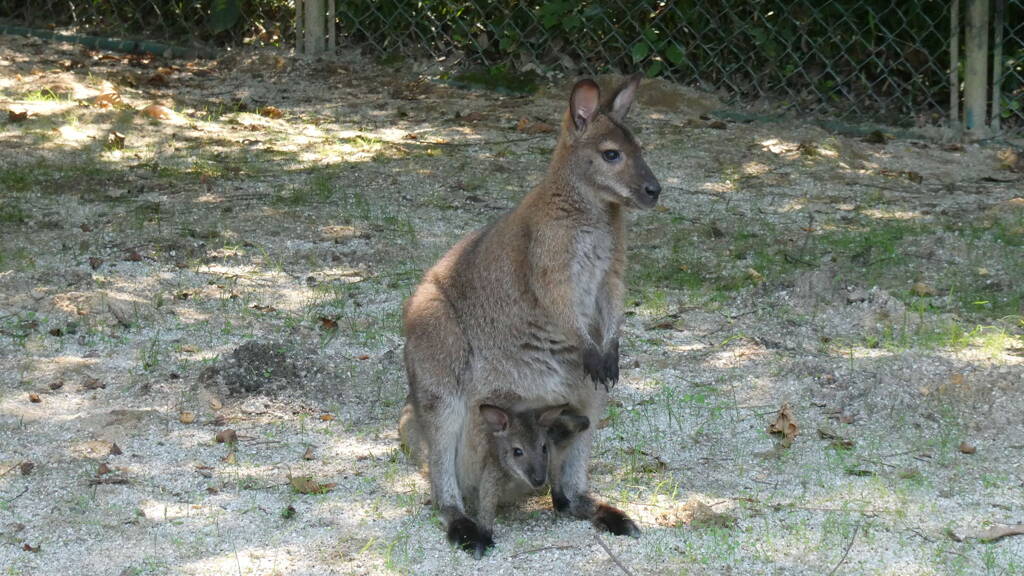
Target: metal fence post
{"type": "Point", "coordinates": [976, 72]}
{"type": "Point", "coordinates": [954, 66]}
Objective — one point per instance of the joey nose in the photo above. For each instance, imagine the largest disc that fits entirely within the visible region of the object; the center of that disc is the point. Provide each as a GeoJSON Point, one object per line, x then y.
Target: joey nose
{"type": "Point", "coordinates": [653, 189]}
{"type": "Point", "coordinates": [537, 481]}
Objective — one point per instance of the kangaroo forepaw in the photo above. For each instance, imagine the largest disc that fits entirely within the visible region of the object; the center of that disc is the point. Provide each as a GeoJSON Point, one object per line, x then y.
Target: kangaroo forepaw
{"type": "Point", "coordinates": [470, 537]}
{"type": "Point", "coordinates": [603, 368]}
{"type": "Point", "coordinates": [616, 521]}
{"type": "Point", "coordinates": [559, 501]}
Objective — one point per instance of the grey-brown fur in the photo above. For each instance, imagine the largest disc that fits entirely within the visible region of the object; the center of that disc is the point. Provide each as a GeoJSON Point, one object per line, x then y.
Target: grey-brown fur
{"type": "Point", "coordinates": [530, 307]}
{"type": "Point", "coordinates": [503, 457]}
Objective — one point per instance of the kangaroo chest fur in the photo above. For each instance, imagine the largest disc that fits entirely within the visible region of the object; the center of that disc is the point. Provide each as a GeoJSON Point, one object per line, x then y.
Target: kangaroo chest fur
{"type": "Point", "coordinates": [591, 262]}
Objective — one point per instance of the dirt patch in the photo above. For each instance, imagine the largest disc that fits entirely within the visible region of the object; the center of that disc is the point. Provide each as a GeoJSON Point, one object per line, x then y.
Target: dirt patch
{"type": "Point", "coordinates": [253, 367]}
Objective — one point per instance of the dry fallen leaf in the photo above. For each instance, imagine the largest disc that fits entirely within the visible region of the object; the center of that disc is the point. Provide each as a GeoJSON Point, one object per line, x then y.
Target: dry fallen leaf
{"type": "Point", "coordinates": [271, 112]}
{"type": "Point", "coordinates": [103, 469]}
{"type": "Point", "coordinates": [215, 403]}
{"type": "Point", "coordinates": [115, 140]}
{"type": "Point", "coordinates": [29, 548]}
{"type": "Point", "coordinates": [1009, 159]}
{"type": "Point", "coordinates": [308, 454]}
{"type": "Point", "coordinates": [230, 458]}
{"type": "Point", "coordinates": [108, 100]}
{"type": "Point", "coordinates": [227, 435]}
{"type": "Point", "coordinates": [785, 425]}
{"type": "Point", "coordinates": [14, 116]}
{"type": "Point", "coordinates": [56, 385]}
{"type": "Point", "coordinates": [307, 485]}
{"type": "Point", "coordinates": [470, 117]}
{"type": "Point", "coordinates": [327, 417]}
{"type": "Point", "coordinates": [922, 289]}
{"type": "Point", "coordinates": [526, 126]}
{"type": "Point", "coordinates": [159, 112]}
{"type": "Point", "coordinates": [186, 417]}
{"type": "Point", "coordinates": [967, 448]}
{"type": "Point", "coordinates": [704, 516]}
{"type": "Point", "coordinates": [328, 324]}
{"type": "Point", "coordinates": [115, 450]}
{"type": "Point", "coordinates": [838, 442]}
{"type": "Point", "coordinates": [34, 398]}
{"type": "Point", "coordinates": [26, 467]}
{"type": "Point", "coordinates": [998, 531]}
{"type": "Point", "coordinates": [695, 513]}
{"type": "Point", "coordinates": [95, 262]}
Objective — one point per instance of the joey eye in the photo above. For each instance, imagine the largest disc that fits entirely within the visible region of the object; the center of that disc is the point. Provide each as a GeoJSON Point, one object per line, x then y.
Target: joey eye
{"type": "Point", "coordinates": [544, 448]}
{"type": "Point", "coordinates": [611, 155]}
{"type": "Point", "coordinates": [517, 452]}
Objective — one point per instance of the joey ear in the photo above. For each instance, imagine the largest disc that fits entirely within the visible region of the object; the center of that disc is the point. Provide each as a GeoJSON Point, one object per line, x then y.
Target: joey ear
{"type": "Point", "coordinates": [548, 416]}
{"type": "Point", "coordinates": [496, 418]}
{"type": "Point", "coordinates": [624, 97]}
{"type": "Point", "coordinates": [576, 422]}
{"type": "Point", "coordinates": [583, 103]}
{"type": "Point", "coordinates": [566, 427]}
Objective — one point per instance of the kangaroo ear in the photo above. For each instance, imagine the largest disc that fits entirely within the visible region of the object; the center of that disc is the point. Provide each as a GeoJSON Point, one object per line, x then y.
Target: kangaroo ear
{"type": "Point", "coordinates": [624, 97]}
{"type": "Point", "coordinates": [566, 427]}
{"type": "Point", "coordinates": [583, 103]}
{"type": "Point", "coordinates": [496, 418]}
{"type": "Point", "coordinates": [575, 422]}
{"type": "Point", "coordinates": [548, 417]}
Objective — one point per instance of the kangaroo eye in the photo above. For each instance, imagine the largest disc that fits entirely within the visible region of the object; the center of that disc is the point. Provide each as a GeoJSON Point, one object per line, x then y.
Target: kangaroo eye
{"type": "Point", "coordinates": [610, 155]}
{"type": "Point", "coordinates": [544, 448]}
{"type": "Point", "coordinates": [517, 452]}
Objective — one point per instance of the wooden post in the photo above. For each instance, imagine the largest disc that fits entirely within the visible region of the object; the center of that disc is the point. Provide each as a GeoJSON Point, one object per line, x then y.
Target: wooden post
{"type": "Point", "coordinates": [316, 29]}
{"type": "Point", "coordinates": [976, 73]}
{"type": "Point", "coordinates": [299, 31]}
{"type": "Point", "coordinates": [997, 64]}
{"type": "Point", "coordinates": [332, 29]}
{"type": "Point", "coordinates": [954, 66]}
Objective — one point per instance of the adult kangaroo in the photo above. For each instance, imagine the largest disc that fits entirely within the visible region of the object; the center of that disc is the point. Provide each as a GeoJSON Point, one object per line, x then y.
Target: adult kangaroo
{"type": "Point", "coordinates": [529, 308]}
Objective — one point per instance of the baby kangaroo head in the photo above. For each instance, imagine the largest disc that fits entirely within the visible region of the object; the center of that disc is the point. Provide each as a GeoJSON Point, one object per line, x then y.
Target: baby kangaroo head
{"type": "Point", "coordinates": [520, 443]}
{"type": "Point", "coordinates": [603, 155]}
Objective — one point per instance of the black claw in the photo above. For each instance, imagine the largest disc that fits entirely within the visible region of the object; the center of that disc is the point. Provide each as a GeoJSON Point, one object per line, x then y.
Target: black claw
{"type": "Point", "coordinates": [616, 521]}
{"type": "Point", "coordinates": [559, 501]}
{"type": "Point", "coordinates": [465, 533]}
{"type": "Point", "coordinates": [602, 367]}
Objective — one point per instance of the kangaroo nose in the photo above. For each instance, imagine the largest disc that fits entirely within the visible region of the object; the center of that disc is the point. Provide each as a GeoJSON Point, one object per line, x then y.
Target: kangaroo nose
{"type": "Point", "coordinates": [653, 189]}
{"type": "Point", "coordinates": [538, 481]}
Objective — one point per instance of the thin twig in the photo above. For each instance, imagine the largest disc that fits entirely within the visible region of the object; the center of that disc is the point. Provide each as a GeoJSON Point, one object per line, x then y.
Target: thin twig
{"type": "Point", "coordinates": [613, 556]}
{"type": "Point", "coordinates": [542, 549]}
{"type": "Point", "coordinates": [16, 496]}
{"type": "Point", "coordinates": [6, 472]}
{"type": "Point", "coordinates": [847, 551]}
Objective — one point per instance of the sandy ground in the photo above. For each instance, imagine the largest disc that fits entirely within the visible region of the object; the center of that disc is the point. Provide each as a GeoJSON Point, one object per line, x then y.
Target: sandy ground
{"type": "Point", "coordinates": [236, 258]}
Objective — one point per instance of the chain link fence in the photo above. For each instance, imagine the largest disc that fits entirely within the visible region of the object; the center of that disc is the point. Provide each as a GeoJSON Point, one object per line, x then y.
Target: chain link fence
{"type": "Point", "coordinates": [860, 59]}
{"type": "Point", "coordinates": [188, 22]}
{"type": "Point", "coordinates": [1012, 81]}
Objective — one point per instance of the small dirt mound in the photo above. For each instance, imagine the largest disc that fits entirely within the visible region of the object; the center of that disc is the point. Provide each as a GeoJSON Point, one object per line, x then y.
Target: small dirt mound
{"type": "Point", "coordinates": [253, 367]}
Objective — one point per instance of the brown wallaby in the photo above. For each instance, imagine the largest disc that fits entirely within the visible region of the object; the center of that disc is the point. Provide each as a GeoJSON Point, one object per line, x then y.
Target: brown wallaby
{"type": "Point", "coordinates": [503, 456]}
{"type": "Point", "coordinates": [531, 307]}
